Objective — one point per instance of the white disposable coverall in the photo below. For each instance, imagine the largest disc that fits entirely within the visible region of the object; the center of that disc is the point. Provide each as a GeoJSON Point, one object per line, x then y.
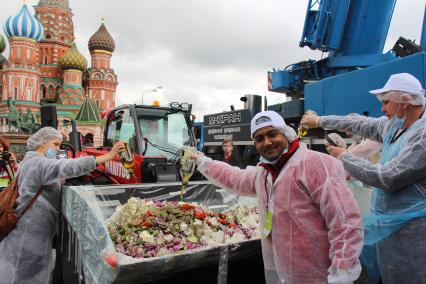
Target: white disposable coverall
{"type": "Point", "coordinates": [398, 220]}
{"type": "Point", "coordinates": [26, 252]}
{"type": "Point", "coordinates": [316, 223]}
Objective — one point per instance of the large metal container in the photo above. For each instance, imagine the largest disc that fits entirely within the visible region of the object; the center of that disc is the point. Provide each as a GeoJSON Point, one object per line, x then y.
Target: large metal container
{"type": "Point", "coordinates": [85, 239]}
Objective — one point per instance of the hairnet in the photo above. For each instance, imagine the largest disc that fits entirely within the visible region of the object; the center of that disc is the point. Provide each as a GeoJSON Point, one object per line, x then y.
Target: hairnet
{"type": "Point", "coordinates": [336, 138]}
{"type": "Point", "coordinates": [402, 88]}
{"type": "Point", "coordinates": [402, 97]}
{"type": "Point", "coordinates": [42, 136]}
{"type": "Point", "coordinates": [272, 118]}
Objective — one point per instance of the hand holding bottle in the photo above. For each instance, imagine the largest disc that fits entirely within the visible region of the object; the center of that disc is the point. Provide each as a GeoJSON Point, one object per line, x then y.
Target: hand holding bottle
{"type": "Point", "coordinates": [309, 120]}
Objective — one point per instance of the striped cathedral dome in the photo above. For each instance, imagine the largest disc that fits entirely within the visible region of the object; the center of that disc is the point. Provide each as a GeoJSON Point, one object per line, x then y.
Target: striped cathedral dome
{"type": "Point", "coordinates": [102, 40]}
{"type": "Point", "coordinates": [73, 59]}
{"type": "Point", "coordinates": [23, 24]}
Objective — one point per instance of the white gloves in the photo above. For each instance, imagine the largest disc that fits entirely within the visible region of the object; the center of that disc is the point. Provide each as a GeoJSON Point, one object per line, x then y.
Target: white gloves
{"type": "Point", "coordinates": [310, 120]}
{"type": "Point", "coordinates": [344, 276]}
{"type": "Point", "coordinates": [197, 156]}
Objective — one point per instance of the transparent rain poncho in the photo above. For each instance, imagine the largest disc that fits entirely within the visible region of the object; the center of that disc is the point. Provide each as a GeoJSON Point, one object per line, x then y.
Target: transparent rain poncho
{"type": "Point", "coordinates": [336, 138]}
{"type": "Point", "coordinates": [399, 178]}
{"type": "Point", "coordinates": [316, 232]}
{"type": "Point", "coordinates": [368, 149]}
{"type": "Point", "coordinates": [26, 253]}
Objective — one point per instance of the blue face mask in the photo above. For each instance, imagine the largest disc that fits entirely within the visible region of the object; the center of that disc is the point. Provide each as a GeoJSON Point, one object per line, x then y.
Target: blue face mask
{"type": "Point", "coordinates": [397, 122]}
{"type": "Point", "coordinates": [274, 162]}
{"type": "Point", "coordinates": [51, 153]}
{"type": "Point", "coordinates": [266, 161]}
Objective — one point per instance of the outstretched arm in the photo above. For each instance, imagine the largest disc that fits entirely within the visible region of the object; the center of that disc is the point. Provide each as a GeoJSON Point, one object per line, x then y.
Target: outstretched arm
{"type": "Point", "coordinates": [53, 170]}
{"type": "Point", "coordinates": [372, 128]}
{"type": "Point", "coordinates": [116, 149]}
{"type": "Point", "coordinates": [406, 168]}
{"type": "Point", "coordinates": [234, 179]}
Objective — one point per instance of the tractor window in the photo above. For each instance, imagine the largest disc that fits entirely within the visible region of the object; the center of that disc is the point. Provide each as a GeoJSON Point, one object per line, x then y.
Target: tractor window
{"type": "Point", "coordinates": [165, 132]}
{"type": "Point", "coordinates": [120, 127]}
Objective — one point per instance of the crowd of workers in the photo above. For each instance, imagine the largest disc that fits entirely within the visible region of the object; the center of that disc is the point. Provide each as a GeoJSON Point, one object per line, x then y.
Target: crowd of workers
{"type": "Point", "coordinates": [313, 230]}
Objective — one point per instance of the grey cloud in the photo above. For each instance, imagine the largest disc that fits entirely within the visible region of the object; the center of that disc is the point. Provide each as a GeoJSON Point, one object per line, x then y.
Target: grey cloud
{"type": "Point", "coordinates": [207, 52]}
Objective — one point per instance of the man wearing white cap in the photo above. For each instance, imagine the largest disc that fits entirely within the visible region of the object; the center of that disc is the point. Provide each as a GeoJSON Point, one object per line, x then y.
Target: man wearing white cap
{"type": "Point", "coordinates": [396, 227]}
{"type": "Point", "coordinates": [311, 225]}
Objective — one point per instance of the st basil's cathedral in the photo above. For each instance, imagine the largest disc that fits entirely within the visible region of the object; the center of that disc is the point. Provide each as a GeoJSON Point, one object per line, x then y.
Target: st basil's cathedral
{"type": "Point", "coordinates": [44, 66]}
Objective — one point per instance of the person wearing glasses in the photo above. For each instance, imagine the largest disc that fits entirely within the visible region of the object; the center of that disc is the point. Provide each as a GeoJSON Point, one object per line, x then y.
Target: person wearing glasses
{"type": "Point", "coordinates": [310, 223]}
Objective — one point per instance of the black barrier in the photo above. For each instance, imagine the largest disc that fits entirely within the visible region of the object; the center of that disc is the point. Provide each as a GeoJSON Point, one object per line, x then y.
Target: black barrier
{"type": "Point", "coordinates": [48, 116]}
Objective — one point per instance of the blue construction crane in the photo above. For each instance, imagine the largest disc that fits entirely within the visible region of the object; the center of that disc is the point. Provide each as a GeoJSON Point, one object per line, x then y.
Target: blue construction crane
{"type": "Point", "coordinates": [353, 32]}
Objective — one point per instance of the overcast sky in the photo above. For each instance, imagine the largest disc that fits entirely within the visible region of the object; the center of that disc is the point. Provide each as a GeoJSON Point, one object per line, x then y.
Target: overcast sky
{"type": "Point", "coordinates": [205, 52]}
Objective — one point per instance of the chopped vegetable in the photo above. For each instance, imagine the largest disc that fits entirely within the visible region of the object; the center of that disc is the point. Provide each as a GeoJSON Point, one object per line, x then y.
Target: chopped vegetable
{"type": "Point", "coordinates": [143, 228]}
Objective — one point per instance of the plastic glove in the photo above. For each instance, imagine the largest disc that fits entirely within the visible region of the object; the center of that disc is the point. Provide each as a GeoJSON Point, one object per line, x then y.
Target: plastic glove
{"type": "Point", "coordinates": [341, 276]}
{"type": "Point", "coordinates": [335, 151]}
{"type": "Point", "coordinates": [197, 156]}
{"type": "Point", "coordinates": [310, 120]}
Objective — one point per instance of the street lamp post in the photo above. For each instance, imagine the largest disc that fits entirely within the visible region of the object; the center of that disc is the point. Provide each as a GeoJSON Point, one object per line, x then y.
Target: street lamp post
{"type": "Point", "coordinates": [152, 90]}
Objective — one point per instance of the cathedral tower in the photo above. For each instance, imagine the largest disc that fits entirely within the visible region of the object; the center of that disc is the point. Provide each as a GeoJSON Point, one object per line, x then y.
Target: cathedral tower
{"type": "Point", "coordinates": [56, 18]}
{"type": "Point", "coordinates": [74, 64]}
{"type": "Point", "coordinates": [22, 76]}
{"type": "Point", "coordinates": [101, 79]}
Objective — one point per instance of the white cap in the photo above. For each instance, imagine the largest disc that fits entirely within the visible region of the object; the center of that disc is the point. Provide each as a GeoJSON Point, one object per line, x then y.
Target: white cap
{"type": "Point", "coordinates": [402, 82]}
{"type": "Point", "coordinates": [271, 118]}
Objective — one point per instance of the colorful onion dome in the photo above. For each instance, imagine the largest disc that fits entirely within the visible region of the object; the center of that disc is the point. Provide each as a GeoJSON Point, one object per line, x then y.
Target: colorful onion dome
{"type": "Point", "coordinates": [73, 59]}
{"type": "Point", "coordinates": [23, 24]}
{"type": "Point", "coordinates": [2, 44]}
{"type": "Point", "coordinates": [102, 40]}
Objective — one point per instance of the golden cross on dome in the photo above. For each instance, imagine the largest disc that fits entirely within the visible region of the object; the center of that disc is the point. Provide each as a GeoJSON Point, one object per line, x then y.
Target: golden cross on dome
{"type": "Point", "coordinates": [103, 12]}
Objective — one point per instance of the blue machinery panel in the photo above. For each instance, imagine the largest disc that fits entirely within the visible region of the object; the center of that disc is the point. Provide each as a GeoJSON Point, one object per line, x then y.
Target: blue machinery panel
{"type": "Point", "coordinates": [347, 27]}
{"type": "Point", "coordinates": [354, 33]}
{"type": "Point", "coordinates": [348, 93]}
